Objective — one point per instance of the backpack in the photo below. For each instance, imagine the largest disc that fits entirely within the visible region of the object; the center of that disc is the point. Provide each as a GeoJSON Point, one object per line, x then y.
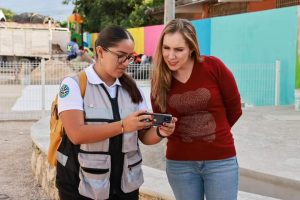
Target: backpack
{"type": "Point", "coordinates": [56, 127]}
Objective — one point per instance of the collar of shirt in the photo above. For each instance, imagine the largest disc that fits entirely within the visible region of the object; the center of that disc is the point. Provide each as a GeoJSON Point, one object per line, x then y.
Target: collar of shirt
{"type": "Point", "coordinates": [93, 78]}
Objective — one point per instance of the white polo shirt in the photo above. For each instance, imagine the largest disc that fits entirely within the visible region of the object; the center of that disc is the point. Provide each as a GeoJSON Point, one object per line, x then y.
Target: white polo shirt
{"type": "Point", "coordinates": [69, 97]}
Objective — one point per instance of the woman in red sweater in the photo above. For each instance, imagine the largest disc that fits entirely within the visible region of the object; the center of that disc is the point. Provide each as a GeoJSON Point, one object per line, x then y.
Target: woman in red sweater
{"type": "Point", "coordinates": [202, 93]}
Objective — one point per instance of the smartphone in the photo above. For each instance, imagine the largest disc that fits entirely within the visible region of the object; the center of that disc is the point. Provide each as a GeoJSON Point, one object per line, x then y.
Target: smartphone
{"type": "Point", "coordinates": [159, 118]}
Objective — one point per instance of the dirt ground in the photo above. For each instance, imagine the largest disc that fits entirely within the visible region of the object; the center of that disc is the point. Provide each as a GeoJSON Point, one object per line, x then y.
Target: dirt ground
{"type": "Point", "coordinates": [16, 177]}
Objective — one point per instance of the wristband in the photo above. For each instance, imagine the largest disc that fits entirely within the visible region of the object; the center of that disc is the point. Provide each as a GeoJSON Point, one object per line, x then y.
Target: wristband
{"type": "Point", "coordinates": [158, 133]}
{"type": "Point", "coordinates": [122, 125]}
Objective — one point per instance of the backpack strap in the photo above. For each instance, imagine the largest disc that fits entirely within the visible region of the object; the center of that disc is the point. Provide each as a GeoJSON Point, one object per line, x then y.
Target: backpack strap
{"type": "Point", "coordinates": [82, 82]}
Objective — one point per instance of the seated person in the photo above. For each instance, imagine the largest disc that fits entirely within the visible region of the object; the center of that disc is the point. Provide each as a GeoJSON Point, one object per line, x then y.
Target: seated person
{"type": "Point", "coordinates": [90, 51]}
{"type": "Point", "coordinates": [72, 49]}
{"type": "Point", "coordinates": [84, 56]}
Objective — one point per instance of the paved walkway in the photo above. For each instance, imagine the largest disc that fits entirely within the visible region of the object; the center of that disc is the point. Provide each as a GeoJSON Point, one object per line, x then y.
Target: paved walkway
{"type": "Point", "coordinates": [268, 141]}
{"type": "Point", "coordinates": [268, 144]}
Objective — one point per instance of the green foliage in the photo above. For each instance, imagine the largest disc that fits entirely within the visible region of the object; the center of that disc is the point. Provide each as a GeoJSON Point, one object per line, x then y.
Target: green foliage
{"type": "Point", "coordinates": [140, 15]}
{"type": "Point", "coordinates": [101, 13]}
{"type": "Point", "coordinates": [8, 14]}
{"type": "Point", "coordinates": [63, 24]}
{"type": "Point", "coordinates": [157, 3]}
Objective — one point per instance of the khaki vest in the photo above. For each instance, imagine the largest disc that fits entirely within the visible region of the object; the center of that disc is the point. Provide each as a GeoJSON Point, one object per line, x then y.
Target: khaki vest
{"type": "Point", "coordinates": [94, 159]}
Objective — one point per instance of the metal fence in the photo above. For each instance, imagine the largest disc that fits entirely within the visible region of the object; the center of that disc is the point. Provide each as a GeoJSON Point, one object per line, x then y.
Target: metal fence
{"type": "Point", "coordinates": [259, 84]}
{"type": "Point", "coordinates": [28, 88]}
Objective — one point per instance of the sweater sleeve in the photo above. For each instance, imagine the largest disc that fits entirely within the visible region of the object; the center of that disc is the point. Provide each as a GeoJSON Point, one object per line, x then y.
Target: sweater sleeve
{"type": "Point", "coordinates": [229, 91]}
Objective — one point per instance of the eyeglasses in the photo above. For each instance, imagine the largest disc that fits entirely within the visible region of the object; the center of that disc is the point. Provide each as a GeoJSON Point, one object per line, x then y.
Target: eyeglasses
{"type": "Point", "coordinates": [121, 58]}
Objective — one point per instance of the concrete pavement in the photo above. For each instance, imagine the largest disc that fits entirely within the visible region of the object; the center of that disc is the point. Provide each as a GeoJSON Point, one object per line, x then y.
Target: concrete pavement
{"type": "Point", "coordinates": [268, 146]}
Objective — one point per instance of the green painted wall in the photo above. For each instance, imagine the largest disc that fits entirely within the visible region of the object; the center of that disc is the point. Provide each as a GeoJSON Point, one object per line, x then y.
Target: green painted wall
{"type": "Point", "coordinates": [297, 85]}
{"type": "Point", "coordinates": [259, 38]}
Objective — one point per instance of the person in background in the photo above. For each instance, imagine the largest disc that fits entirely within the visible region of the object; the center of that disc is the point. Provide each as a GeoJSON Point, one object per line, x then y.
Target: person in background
{"type": "Point", "coordinates": [90, 51]}
{"type": "Point", "coordinates": [144, 59]}
{"type": "Point", "coordinates": [85, 44]}
{"type": "Point", "coordinates": [137, 58]}
{"type": "Point", "coordinates": [73, 49]}
{"type": "Point", "coordinates": [202, 93]}
{"type": "Point", "coordinates": [99, 156]}
{"type": "Point", "coordinates": [84, 56]}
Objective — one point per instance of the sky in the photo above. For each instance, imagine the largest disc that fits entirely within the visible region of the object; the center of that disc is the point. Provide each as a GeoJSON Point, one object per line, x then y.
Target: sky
{"type": "Point", "coordinates": [52, 8]}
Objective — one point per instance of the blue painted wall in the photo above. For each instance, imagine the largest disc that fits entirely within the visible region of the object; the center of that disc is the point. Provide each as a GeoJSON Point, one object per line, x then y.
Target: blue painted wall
{"type": "Point", "coordinates": [259, 38]}
{"type": "Point", "coordinates": [203, 31]}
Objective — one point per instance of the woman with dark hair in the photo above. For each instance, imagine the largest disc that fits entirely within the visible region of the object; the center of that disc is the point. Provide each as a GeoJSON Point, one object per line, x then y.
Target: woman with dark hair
{"type": "Point", "coordinates": [99, 156]}
{"type": "Point", "coordinates": [202, 93]}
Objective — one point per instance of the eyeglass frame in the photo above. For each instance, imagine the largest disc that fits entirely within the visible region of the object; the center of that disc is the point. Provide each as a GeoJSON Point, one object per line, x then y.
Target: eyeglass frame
{"type": "Point", "coordinates": [127, 57]}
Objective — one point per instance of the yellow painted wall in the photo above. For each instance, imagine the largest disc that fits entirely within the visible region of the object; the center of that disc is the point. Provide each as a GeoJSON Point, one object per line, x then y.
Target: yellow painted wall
{"type": "Point", "coordinates": [138, 36]}
{"type": "Point", "coordinates": [94, 38]}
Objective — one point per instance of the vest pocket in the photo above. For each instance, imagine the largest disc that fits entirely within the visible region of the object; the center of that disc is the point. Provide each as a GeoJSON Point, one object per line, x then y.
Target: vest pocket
{"type": "Point", "coordinates": [130, 141]}
{"type": "Point", "coordinates": [94, 173]}
{"type": "Point", "coordinates": [132, 177]}
{"type": "Point", "coordinates": [102, 146]}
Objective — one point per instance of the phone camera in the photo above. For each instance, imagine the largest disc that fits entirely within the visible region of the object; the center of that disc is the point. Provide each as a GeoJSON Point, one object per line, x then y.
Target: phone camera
{"type": "Point", "coordinates": [168, 119]}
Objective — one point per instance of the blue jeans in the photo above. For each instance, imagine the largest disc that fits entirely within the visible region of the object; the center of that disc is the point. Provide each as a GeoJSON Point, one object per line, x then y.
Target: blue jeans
{"type": "Point", "coordinates": [214, 179]}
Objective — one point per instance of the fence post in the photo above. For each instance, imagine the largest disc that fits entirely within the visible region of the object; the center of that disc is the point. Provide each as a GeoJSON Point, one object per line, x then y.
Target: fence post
{"type": "Point", "coordinates": [43, 86]}
{"type": "Point", "coordinates": [277, 82]}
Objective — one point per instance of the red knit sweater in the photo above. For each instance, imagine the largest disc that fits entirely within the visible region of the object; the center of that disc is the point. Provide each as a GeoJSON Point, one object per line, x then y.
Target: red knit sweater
{"type": "Point", "coordinates": [207, 106]}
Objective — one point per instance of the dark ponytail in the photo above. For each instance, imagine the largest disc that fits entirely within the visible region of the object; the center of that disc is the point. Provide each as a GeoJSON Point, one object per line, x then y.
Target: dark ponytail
{"type": "Point", "coordinates": [130, 86]}
{"type": "Point", "coordinates": [109, 37]}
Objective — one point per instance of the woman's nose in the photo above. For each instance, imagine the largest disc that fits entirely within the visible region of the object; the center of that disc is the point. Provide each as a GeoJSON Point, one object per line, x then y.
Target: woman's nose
{"type": "Point", "coordinates": [172, 55]}
{"type": "Point", "coordinates": [126, 63]}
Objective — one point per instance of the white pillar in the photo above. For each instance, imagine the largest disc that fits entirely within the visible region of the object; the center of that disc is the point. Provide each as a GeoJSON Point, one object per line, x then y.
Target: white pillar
{"type": "Point", "coordinates": [277, 83]}
{"type": "Point", "coordinates": [43, 76]}
{"type": "Point", "coordinates": [169, 13]}
{"type": "Point", "coordinates": [50, 36]}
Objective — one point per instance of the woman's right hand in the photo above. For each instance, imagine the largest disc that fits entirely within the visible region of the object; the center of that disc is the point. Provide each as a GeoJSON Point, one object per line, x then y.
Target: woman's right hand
{"type": "Point", "coordinates": [137, 121]}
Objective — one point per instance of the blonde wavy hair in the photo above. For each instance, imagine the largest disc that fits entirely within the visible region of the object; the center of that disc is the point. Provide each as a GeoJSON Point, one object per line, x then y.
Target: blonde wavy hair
{"type": "Point", "coordinates": [161, 75]}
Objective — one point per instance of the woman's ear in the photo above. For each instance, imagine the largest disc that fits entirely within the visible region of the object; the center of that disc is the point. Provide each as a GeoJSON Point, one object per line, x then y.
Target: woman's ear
{"type": "Point", "coordinates": [99, 52]}
{"type": "Point", "coordinates": [191, 53]}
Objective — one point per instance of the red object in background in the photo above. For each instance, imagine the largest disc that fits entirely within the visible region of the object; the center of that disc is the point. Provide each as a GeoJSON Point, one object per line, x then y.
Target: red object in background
{"type": "Point", "coordinates": [137, 57]}
{"type": "Point", "coordinates": [264, 5]}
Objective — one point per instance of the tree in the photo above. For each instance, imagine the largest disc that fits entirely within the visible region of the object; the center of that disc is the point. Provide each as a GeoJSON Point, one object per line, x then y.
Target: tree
{"type": "Point", "coordinates": [140, 15]}
{"type": "Point", "coordinates": [8, 14]}
{"type": "Point", "coordinates": [63, 24]}
{"type": "Point", "coordinates": [101, 13]}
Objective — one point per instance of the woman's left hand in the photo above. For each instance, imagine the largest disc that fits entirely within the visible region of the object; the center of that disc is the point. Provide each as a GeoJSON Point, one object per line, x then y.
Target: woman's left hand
{"type": "Point", "coordinates": [167, 129]}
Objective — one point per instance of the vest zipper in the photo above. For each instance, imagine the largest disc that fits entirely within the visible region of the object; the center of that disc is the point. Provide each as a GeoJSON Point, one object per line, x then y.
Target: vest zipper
{"type": "Point", "coordinates": [135, 164]}
{"type": "Point", "coordinates": [94, 171]}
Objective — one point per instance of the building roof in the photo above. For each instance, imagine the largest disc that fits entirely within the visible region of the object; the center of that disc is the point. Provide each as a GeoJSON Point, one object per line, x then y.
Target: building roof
{"type": "Point", "coordinates": [25, 25]}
